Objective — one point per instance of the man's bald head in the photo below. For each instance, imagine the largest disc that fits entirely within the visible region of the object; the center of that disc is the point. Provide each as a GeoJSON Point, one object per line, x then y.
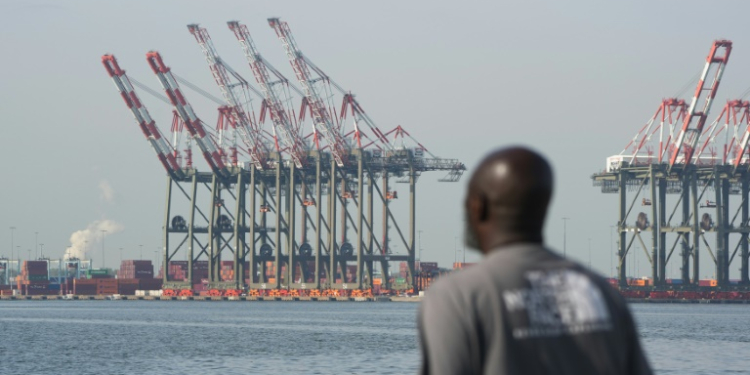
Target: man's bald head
{"type": "Point", "coordinates": [507, 198]}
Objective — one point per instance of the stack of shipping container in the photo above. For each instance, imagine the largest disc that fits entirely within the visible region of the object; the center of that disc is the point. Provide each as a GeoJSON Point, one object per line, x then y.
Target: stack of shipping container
{"type": "Point", "coordinates": [136, 269]}
{"type": "Point", "coordinates": [34, 278]}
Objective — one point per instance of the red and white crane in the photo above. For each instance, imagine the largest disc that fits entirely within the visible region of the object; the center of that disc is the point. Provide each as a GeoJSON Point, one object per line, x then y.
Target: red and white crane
{"type": "Point", "coordinates": [691, 131]}
{"type": "Point", "coordinates": [243, 123]}
{"type": "Point", "coordinates": [165, 152]}
{"type": "Point", "coordinates": [187, 114]}
{"type": "Point", "coordinates": [274, 95]}
{"type": "Point", "coordinates": [322, 118]}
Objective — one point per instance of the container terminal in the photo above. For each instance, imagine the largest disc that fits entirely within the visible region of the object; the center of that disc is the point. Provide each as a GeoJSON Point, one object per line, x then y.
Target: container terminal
{"type": "Point", "coordinates": [280, 212]}
{"type": "Point", "coordinates": [76, 278]}
{"type": "Point", "coordinates": [300, 199]}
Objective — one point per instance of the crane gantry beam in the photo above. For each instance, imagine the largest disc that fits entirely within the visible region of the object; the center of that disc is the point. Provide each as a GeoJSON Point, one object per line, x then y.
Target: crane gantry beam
{"type": "Point", "coordinates": [187, 114]}
{"type": "Point", "coordinates": [273, 98]}
{"type": "Point", "coordinates": [243, 123]}
{"type": "Point", "coordinates": [692, 129]}
{"type": "Point", "coordinates": [164, 150]}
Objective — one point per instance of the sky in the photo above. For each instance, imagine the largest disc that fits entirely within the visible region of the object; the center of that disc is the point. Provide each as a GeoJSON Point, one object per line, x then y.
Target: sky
{"type": "Point", "coordinates": [574, 80]}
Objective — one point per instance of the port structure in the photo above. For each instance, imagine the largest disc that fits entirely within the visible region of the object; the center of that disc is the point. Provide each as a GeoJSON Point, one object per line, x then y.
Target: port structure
{"type": "Point", "coordinates": [306, 206]}
{"type": "Point", "coordinates": [694, 192]}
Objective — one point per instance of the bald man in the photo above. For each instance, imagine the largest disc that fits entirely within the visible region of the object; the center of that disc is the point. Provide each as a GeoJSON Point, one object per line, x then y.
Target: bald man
{"type": "Point", "coordinates": [523, 309]}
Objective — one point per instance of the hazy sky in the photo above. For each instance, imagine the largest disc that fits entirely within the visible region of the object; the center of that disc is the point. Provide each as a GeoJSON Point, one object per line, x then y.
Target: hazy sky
{"type": "Point", "coordinates": [575, 80]}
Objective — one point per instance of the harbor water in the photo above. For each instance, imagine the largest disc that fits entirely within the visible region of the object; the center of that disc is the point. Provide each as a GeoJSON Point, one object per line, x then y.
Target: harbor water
{"type": "Point", "coordinates": [151, 337]}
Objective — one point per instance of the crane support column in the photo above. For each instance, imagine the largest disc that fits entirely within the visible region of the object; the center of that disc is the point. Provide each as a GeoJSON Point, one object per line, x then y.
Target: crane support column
{"type": "Point", "coordinates": [412, 229]}
{"type": "Point", "coordinates": [191, 227]}
{"type": "Point", "coordinates": [687, 181]}
{"type": "Point", "coordinates": [332, 222]}
{"type": "Point", "coordinates": [726, 230]}
{"type": "Point", "coordinates": [251, 229]}
{"type": "Point", "coordinates": [214, 265]}
{"type": "Point", "coordinates": [277, 239]}
{"type": "Point", "coordinates": [743, 239]}
{"type": "Point", "coordinates": [165, 244]}
{"type": "Point", "coordinates": [622, 229]}
{"type": "Point", "coordinates": [239, 234]}
{"type": "Point", "coordinates": [291, 219]}
{"type": "Point", "coordinates": [720, 226]}
{"type": "Point", "coordinates": [384, 263]}
{"type": "Point", "coordinates": [655, 226]}
{"type": "Point", "coordinates": [696, 227]}
{"type": "Point", "coordinates": [662, 191]}
{"type": "Point", "coordinates": [318, 220]}
{"type": "Point", "coordinates": [360, 203]}
{"type": "Point", "coordinates": [370, 234]}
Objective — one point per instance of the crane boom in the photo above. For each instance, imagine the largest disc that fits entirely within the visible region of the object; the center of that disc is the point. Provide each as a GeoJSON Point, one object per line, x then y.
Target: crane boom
{"type": "Point", "coordinates": [282, 122]}
{"type": "Point", "coordinates": [186, 113]}
{"type": "Point", "coordinates": [691, 131]}
{"type": "Point", "coordinates": [163, 149]}
{"type": "Point", "coordinates": [742, 106]}
{"type": "Point", "coordinates": [321, 118]}
{"type": "Point", "coordinates": [249, 131]}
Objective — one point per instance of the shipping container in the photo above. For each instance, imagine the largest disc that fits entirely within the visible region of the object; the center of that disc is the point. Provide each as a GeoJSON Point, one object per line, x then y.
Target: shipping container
{"type": "Point", "coordinates": [461, 265]}
{"type": "Point", "coordinates": [428, 266]}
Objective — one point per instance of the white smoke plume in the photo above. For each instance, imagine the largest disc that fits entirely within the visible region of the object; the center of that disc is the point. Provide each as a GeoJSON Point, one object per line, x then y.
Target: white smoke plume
{"type": "Point", "coordinates": [106, 192]}
{"type": "Point", "coordinates": [85, 240]}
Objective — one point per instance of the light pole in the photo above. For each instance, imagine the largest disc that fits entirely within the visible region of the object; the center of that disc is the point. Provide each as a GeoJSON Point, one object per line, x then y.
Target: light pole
{"type": "Point", "coordinates": [455, 251]}
{"type": "Point", "coordinates": [12, 230]}
{"type": "Point", "coordinates": [420, 244]}
{"type": "Point", "coordinates": [103, 233]}
{"type": "Point", "coordinates": [36, 243]}
{"type": "Point", "coordinates": [565, 236]}
{"type": "Point", "coordinates": [141, 252]}
{"type": "Point", "coordinates": [611, 251]}
{"type": "Point", "coordinates": [41, 250]}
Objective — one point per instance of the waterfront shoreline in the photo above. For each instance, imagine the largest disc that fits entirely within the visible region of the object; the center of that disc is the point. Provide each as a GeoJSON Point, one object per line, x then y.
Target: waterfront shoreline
{"type": "Point", "coordinates": [207, 298]}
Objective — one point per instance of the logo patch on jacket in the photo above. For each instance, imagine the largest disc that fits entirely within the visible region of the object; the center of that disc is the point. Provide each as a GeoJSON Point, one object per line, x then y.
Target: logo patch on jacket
{"type": "Point", "coordinates": [556, 303]}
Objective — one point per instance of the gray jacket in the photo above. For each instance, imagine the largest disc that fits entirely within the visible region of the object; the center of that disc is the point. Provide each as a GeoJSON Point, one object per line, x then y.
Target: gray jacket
{"type": "Point", "coordinates": [526, 310]}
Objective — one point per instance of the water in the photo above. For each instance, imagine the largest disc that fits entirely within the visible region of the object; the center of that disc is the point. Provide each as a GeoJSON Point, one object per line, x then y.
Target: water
{"type": "Point", "coordinates": [148, 337]}
{"type": "Point", "coordinates": [695, 339]}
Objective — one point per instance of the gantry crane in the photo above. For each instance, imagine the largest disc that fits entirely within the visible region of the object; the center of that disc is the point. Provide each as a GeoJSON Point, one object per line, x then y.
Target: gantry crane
{"type": "Point", "coordinates": [164, 150]}
{"type": "Point", "coordinates": [186, 113]}
{"type": "Point", "coordinates": [243, 123]}
{"type": "Point", "coordinates": [274, 95]}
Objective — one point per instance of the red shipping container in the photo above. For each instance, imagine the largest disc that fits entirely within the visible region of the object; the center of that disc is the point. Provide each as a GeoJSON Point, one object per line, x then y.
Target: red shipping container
{"type": "Point", "coordinates": [199, 288]}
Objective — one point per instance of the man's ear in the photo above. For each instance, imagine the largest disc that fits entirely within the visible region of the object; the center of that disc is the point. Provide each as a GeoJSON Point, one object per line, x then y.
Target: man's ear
{"type": "Point", "coordinates": [478, 207]}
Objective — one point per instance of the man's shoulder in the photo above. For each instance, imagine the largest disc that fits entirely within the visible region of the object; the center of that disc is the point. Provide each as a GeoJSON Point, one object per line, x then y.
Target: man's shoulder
{"type": "Point", "coordinates": [458, 281]}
